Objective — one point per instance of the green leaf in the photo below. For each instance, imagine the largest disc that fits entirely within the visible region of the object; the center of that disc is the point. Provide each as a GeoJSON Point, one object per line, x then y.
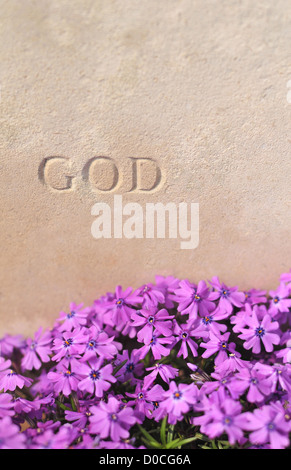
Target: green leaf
{"type": "Point", "coordinates": [73, 403]}
{"type": "Point", "coordinates": [151, 444]}
{"type": "Point", "coordinates": [213, 445]}
{"type": "Point", "coordinates": [62, 406]}
{"type": "Point", "coordinates": [173, 444]}
{"type": "Point", "coordinates": [170, 433]}
{"type": "Point", "coordinates": [163, 430]}
{"type": "Point", "coordinates": [183, 442]}
{"type": "Point", "coordinates": [205, 447]}
{"type": "Point", "coordinates": [117, 368]}
{"type": "Point", "coordinates": [150, 438]}
{"type": "Point", "coordinates": [201, 436]}
{"type": "Point", "coordinates": [225, 443]}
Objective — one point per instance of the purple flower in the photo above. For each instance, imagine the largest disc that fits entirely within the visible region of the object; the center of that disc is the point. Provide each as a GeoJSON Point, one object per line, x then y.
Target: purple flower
{"type": "Point", "coordinates": [127, 330]}
{"type": "Point", "coordinates": [69, 343]}
{"type": "Point", "coordinates": [21, 405]}
{"type": "Point", "coordinates": [94, 378]}
{"type": "Point", "coordinates": [286, 277]}
{"type": "Point", "coordinates": [167, 285]}
{"type": "Point", "coordinates": [4, 365]}
{"type": "Point", "coordinates": [285, 352]}
{"type": "Point", "coordinates": [108, 419]}
{"type": "Point", "coordinates": [128, 444]}
{"type": "Point", "coordinates": [178, 400]}
{"type": "Point", "coordinates": [41, 427]}
{"type": "Point", "coordinates": [144, 398]}
{"type": "Point", "coordinates": [132, 368]}
{"type": "Point", "coordinates": [260, 331]}
{"type": "Point", "coordinates": [284, 409]}
{"type": "Point", "coordinates": [158, 412]}
{"type": "Point", "coordinates": [75, 318]}
{"type": "Point", "coordinates": [42, 384]}
{"type": "Point", "coordinates": [184, 333]}
{"type": "Point", "coordinates": [165, 371]}
{"type": "Point", "coordinates": [239, 319]}
{"type": "Point", "coordinates": [228, 296]}
{"type": "Point", "coordinates": [64, 379]}
{"type": "Point", "coordinates": [10, 380]}
{"type": "Point", "coordinates": [222, 384]}
{"type": "Point", "coordinates": [152, 320]}
{"type": "Point", "coordinates": [193, 299]}
{"type": "Point", "coordinates": [88, 442]}
{"type": "Point", "coordinates": [205, 405]}
{"type": "Point", "coordinates": [255, 382]}
{"type": "Point", "coordinates": [254, 296]}
{"type": "Point", "coordinates": [55, 440]}
{"type": "Point", "coordinates": [75, 400]}
{"type": "Point", "coordinates": [280, 302]}
{"type": "Point", "coordinates": [150, 296]}
{"type": "Point", "coordinates": [268, 426]}
{"type": "Point", "coordinates": [226, 418]}
{"type": "Point", "coordinates": [121, 307]}
{"type": "Point", "coordinates": [37, 350]}
{"type": "Point", "coordinates": [231, 364]}
{"type": "Point", "coordinates": [156, 345]}
{"type": "Point", "coordinates": [6, 405]}
{"type": "Point", "coordinates": [203, 326]}
{"type": "Point", "coordinates": [10, 436]}
{"type": "Point", "coordinates": [220, 345]}
{"type": "Point", "coordinates": [98, 343]}
{"type": "Point", "coordinates": [80, 418]}
{"type": "Point", "coordinates": [9, 343]}
{"type": "Point", "coordinates": [279, 375]}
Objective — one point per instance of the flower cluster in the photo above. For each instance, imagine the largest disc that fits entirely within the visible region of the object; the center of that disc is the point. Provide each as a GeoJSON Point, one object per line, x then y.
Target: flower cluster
{"type": "Point", "coordinates": [209, 361]}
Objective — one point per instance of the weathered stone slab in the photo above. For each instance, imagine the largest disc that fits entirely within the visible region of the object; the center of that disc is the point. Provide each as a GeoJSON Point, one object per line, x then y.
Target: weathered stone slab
{"type": "Point", "coordinates": [171, 101]}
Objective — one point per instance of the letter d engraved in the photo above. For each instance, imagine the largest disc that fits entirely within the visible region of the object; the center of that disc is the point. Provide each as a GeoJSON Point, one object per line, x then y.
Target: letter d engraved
{"type": "Point", "coordinates": [55, 172]}
{"type": "Point", "coordinates": [146, 175]}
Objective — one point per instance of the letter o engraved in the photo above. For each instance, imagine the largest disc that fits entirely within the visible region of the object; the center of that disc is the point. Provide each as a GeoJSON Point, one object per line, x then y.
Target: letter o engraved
{"type": "Point", "coordinates": [55, 172]}
{"type": "Point", "coordinates": [102, 173]}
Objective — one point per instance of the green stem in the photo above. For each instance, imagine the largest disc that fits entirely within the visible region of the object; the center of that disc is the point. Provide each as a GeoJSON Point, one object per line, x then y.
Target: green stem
{"type": "Point", "coordinates": [170, 433]}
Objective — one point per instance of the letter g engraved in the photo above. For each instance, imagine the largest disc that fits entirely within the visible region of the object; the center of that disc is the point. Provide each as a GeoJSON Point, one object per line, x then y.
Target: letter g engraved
{"type": "Point", "coordinates": [55, 172]}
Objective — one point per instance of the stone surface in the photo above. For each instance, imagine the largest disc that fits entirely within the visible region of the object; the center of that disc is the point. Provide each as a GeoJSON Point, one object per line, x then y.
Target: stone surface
{"type": "Point", "coordinates": [197, 87]}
